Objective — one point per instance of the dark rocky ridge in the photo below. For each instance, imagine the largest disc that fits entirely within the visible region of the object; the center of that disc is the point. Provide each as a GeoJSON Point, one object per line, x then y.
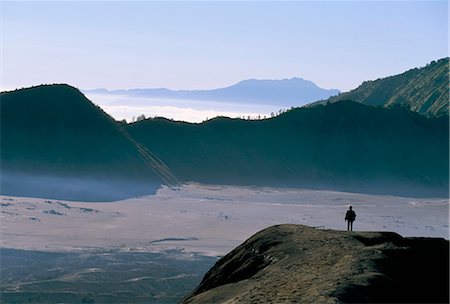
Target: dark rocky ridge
{"type": "Point", "coordinates": [299, 264]}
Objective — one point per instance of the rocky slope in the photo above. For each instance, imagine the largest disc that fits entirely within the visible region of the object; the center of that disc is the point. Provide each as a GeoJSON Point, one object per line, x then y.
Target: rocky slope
{"type": "Point", "coordinates": [422, 90]}
{"type": "Point", "coordinates": [299, 264]}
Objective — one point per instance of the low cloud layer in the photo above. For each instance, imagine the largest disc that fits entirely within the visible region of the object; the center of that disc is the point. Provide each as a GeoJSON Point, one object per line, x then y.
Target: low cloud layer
{"type": "Point", "coordinates": [124, 107]}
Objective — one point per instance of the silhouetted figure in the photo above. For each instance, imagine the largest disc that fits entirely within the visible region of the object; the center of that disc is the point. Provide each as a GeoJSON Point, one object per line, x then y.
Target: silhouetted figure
{"type": "Point", "coordinates": [350, 217]}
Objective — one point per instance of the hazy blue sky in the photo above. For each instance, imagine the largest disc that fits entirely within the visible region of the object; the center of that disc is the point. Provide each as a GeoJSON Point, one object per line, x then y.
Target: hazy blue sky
{"type": "Point", "coordinates": [187, 45]}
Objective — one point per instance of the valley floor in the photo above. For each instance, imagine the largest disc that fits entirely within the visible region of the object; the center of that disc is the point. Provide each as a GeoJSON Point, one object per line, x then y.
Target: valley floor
{"type": "Point", "coordinates": [206, 219]}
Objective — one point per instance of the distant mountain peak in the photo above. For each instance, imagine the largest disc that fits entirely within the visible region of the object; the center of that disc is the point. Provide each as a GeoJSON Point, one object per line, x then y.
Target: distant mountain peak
{"type": "Point", "coordinates": [290, 81]}
{"type": "Point", "coordinates": [287, 92]}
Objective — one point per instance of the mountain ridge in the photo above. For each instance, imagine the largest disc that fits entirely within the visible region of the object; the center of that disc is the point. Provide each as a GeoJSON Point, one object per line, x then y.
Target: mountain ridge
{"type": "Point", "coordinates": [343, 145]}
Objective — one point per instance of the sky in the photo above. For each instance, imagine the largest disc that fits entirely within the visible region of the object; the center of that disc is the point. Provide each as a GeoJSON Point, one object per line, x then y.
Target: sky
{"type": "Point", "coordinates": [211, 44]}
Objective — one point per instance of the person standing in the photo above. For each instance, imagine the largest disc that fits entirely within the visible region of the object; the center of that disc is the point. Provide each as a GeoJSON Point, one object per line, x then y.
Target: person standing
{"type": "Point", "coordinates": [350, 217]}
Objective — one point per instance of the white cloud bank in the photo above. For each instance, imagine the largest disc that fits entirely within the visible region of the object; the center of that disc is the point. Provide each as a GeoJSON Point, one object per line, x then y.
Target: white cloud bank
{"type": "Point", "coordinates": [124, 107]}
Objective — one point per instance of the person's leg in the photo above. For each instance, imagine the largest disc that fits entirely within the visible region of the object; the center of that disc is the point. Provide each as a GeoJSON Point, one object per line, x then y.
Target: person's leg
{"type": "Point", "coordinates": [348, 225]}
{"type": "Point", "coordinates": [351, 225]}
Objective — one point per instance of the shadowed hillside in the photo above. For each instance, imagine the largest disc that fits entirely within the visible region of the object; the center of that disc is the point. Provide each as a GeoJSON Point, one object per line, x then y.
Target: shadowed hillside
{"type": "Point", "coordinates": [422, 90]}
{"type": "Point", "coordinates": [343, 145]}
{"type": "Point", "coordinates": [299, 264]}
{"type": "Point", "coordinates": [56, 143]}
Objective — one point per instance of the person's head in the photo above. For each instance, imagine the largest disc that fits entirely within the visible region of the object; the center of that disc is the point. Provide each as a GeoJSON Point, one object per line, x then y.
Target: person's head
{"type": "Point", "coordinates": [350, 207]}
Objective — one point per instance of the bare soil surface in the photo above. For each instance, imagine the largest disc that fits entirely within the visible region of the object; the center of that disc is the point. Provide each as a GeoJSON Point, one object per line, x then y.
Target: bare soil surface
{"type": "Point", "coordinates": [299, 264]}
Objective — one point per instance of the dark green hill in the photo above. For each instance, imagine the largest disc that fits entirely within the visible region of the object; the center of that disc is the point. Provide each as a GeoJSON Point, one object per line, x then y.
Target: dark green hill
{"type": "Point", "coordinates": [423, 90]}
{"type": "Point", "coordinates": [343, 145]}
{"type": "Point", "coordinates": [56, 143]}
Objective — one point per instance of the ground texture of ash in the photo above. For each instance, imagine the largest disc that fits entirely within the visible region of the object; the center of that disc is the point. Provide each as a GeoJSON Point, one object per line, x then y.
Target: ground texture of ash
{"type": "Point", "coordinates": [206, 219]}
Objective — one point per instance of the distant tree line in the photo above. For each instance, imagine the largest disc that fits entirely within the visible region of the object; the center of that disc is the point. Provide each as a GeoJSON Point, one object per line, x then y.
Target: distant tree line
{"type": "Point", "coordinates": [243, 117]}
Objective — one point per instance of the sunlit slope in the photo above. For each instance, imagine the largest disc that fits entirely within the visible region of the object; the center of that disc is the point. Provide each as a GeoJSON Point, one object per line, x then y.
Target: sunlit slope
{"type": "Point", "coordinates": [423, 90]}
{"type": "Point", "coordinates": [345, 145]}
